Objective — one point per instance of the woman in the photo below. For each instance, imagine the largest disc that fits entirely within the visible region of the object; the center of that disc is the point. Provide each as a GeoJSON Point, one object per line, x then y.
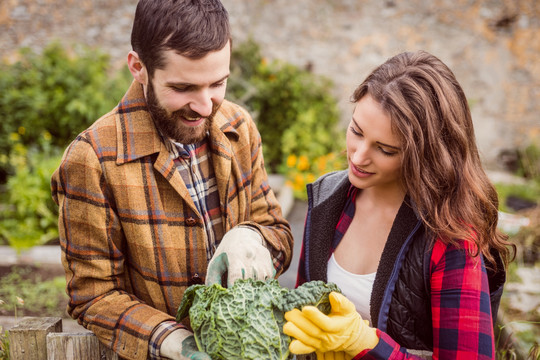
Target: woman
{"type": "Point", "coordinates": [409, 231]}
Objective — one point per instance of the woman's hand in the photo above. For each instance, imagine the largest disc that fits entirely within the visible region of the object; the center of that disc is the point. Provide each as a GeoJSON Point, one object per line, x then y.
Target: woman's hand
{"type": "Point", "coordinates": [332, 355]}
{"type": "Point", "coordinates": [341, 330]}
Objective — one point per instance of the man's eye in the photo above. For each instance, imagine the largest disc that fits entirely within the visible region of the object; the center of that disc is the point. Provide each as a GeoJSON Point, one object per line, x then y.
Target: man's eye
{"type": "Point", "coordinates": [219, 84]}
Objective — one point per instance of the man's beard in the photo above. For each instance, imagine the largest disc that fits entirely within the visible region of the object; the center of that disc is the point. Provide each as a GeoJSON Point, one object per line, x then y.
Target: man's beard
{"type": "Point", "coordinates": [172, 126]}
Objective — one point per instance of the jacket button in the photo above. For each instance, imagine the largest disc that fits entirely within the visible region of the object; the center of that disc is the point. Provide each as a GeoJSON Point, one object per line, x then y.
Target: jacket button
{"type": "Point", "coordinates": [190, 221]}
{"type": "Point", "coordinates": [195, 280]}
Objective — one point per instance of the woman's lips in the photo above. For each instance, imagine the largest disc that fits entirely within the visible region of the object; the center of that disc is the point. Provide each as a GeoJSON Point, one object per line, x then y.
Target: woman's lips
{"type": "Point", "coordinates": [360, 172]}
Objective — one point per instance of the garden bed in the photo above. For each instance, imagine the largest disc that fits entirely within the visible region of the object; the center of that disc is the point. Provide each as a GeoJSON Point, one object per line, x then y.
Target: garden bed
{"type": "Point", "coordinates": [32, 290]}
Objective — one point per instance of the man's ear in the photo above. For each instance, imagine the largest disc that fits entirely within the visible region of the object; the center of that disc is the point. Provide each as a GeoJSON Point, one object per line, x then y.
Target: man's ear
{"type": "Point", "coordinates": [137, 68]}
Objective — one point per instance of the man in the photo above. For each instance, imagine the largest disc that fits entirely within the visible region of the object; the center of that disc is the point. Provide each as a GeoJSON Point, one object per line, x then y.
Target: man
{"type": "Point", "coordinates": [166, 190]}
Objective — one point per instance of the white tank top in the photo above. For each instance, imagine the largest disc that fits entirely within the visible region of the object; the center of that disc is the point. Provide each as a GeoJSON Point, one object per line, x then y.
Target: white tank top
{"type": "Point", "coordinates": [357, 288]}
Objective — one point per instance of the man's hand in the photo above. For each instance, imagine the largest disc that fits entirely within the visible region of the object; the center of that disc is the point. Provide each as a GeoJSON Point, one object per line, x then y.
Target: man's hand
{"type": "Point", "coordinates": [180, 345]}
{"type": "Point", "coordinates": [241, 255]}
{"type": "Point", "coordinates": [341, 330]}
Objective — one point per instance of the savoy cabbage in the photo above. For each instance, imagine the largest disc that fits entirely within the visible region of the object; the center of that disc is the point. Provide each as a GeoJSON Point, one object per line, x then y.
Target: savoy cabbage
{"type": "Point", "coordinates": [246, 321]}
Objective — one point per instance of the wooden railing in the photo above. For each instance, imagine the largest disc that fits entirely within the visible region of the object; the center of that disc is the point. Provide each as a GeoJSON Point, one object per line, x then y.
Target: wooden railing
{"type": "Point", "coordinates": [41, 338]}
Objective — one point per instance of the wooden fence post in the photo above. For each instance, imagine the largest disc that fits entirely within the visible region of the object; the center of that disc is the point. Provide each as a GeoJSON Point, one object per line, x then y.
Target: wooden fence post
{"type": "Point", "coordinates": [28, 339]}
{"type": "Point", "coordinates": [77, 346]}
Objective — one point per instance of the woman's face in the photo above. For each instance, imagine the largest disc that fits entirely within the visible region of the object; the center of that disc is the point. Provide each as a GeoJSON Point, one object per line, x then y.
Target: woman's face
{"type": "Point", "coordinates": [373, 150]}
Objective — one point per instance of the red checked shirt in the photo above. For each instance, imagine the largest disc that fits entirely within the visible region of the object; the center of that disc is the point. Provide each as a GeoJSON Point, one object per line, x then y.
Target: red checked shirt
{"type": "Point", "coordinates": [460, 307]}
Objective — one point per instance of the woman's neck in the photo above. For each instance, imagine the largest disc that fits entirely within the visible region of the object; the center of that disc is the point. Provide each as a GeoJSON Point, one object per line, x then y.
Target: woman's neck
{"type": "Point", "coordinates": [382, 197]}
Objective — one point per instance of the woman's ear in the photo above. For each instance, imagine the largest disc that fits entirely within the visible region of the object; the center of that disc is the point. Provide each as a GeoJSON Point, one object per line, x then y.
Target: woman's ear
{"type": "Point", "coordinates": [137, 68]}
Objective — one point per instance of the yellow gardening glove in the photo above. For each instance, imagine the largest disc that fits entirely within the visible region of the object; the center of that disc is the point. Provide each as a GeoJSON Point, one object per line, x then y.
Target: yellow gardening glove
{"type": "Point", "coordinates": [341, 330]}
{"type": "Point", "coordinates": [332, 355]}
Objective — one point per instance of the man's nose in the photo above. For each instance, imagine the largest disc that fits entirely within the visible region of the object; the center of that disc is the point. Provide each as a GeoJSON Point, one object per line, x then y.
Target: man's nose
{"type": "Point", "coordinates": [202, 104]}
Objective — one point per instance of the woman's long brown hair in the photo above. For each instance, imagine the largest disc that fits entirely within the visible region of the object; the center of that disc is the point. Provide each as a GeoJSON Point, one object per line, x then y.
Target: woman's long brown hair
{"type": "Point", "coordinates": [441, 170]}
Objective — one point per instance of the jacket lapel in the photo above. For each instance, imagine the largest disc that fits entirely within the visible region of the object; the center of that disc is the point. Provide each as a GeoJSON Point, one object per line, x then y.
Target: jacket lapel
{"type": "Point", "coordinates": [222, 155]}
{"type": "Point", "coordinates": [137, 137]}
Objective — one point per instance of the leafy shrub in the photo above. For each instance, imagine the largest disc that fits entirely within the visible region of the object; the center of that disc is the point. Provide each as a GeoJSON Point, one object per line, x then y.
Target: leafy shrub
{"type": "Point", "coordinates": [293, 108]}
{"type": "Point", "coordinates": [58, 91]}
{"type": "Point", "coordinates": [28, 215]}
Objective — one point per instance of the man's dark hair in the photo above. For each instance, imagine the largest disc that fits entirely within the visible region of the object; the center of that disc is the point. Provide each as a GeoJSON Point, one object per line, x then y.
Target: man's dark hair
{"type": "Point", "coordinates": [192, 28]}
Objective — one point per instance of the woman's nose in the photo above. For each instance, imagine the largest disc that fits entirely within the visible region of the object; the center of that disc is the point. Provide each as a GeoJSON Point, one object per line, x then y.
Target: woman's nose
{"type": "Point", "coordinates": [361, 155]}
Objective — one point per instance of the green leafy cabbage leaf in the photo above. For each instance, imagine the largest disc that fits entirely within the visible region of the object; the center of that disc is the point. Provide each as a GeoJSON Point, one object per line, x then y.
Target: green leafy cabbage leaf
{"type": "Point", "coordinates": [246, 321]}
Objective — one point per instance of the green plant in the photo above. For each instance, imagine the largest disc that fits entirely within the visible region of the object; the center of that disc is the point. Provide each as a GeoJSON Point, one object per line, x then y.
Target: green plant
{"type": "Point", "coordinates": [60, 91]}
{"type": "Point", "coordinates": [29, 216]}
{"type": "Point", "coordinates": [529, 190]}
{"type": "Point", "coordinates": [534, 352]}
{"type": "Point", "coordinates": [24, 292]}
{"type": "Point", "coordinates": [529, 165]}
{"type": "Point", "coordinates": [294, 109]}
{"type": "Point", "coordinates": [4, 345]}
{"type": "Point", "coordinates": [246, 320]}
{"type": "Point", "coordinates": [505, 342]}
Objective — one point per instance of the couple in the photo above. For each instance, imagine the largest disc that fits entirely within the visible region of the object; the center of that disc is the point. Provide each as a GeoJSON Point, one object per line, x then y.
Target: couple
{"type": "Point", "coordinates": [169, 189]}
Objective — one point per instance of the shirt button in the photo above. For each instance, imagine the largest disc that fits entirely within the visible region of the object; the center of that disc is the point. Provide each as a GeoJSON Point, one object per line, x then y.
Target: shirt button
{"type": "Point", "coordinates": [190, 221]}
{"type": "Point", "coordinates": [195, 280]}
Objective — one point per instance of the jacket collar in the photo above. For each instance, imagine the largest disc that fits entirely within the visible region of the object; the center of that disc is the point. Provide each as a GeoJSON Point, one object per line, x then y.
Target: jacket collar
{"type": "Point", "coordinates": [136, 133]}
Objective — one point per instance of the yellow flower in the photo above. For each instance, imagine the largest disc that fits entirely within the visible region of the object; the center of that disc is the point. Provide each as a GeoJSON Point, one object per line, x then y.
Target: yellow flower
{"type": "Point", "coordinates": [298, 182]}
{"type": "Point", "coordinates": [21, 130]}
{"type": "Point", "coordinates": [303, 163]}
{"type": "Point", "coordinates": [310, 178]}
{"type": "Point", "coordinates": [47, 135]}
{"type": "Point", "coordinates": [14, 137]}
{"type": "Point", "coordinates": [291, 161]}
{"type": "Point", "coordinates": [321, 163]}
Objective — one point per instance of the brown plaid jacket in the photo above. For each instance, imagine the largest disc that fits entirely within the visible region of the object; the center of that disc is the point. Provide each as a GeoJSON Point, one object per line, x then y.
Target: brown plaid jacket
{"type": "Point", "coordinates": [131, 237]}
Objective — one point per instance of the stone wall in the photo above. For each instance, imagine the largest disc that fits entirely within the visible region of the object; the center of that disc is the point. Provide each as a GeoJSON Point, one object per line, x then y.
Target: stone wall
{"type": "Point", "coordinates": [493, 46]}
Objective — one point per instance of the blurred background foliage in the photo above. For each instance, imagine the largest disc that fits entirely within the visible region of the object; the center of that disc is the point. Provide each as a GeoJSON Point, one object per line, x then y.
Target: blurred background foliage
{"type": "Point", "coordinates": [47, 99]}
{"type": "Point", "coordinates": [294, 109]}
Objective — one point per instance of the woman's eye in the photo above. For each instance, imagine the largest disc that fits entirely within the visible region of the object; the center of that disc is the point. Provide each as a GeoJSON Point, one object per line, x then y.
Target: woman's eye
{"type": "Point", "coordinates": [387, 153]}
{"type": "Point", "coordinates": [355, 132]}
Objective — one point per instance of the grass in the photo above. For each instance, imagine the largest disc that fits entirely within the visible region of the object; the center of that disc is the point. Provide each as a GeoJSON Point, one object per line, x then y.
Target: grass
{"type": "Point", "coordinates": [23, 292]}
{"type": "Point", "coordinates": [4, 345]}
{"type": "Point", "coordinates": [529, 191]}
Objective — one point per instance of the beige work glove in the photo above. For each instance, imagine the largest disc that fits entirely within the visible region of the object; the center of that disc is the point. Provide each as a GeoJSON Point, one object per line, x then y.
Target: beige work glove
{"type": "Point", "coordinates": [180, 345]}
{"type": "Point", "coordinates": [241, 254]}
{"type": "Point", "coordinates": [341, 330]}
